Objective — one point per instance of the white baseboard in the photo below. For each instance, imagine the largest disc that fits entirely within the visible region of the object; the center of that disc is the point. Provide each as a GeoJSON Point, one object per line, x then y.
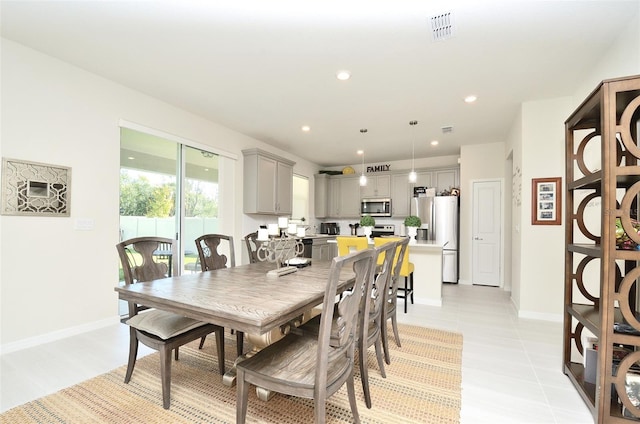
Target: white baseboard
{"type": "Point", "coordinates": [540, 316]}
{"type": "Point", "coordinates": [425, 301]}
{"type": "Point", "coordinates": [57, 335]}
{"type": "Point", "coordinates": [465, 282]}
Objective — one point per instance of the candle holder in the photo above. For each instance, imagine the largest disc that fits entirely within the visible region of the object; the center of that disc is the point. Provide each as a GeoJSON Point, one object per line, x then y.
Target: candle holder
{"type": "Point", "coordinates": [280, 250]}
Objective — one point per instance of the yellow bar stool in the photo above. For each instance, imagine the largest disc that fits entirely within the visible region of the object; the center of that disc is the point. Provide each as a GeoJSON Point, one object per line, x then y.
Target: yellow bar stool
{"type": "Point", "coordinates": [349, 244]}
{"type": "Point", "coordinates": [406, 270]}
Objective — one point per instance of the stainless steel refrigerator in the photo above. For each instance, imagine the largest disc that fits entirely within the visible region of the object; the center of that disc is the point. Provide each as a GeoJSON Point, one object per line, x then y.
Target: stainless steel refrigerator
{"type": "Point", "coordinates": [440, 216]}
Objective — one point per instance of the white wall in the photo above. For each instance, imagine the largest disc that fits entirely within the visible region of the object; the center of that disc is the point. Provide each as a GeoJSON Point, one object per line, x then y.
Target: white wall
{"type": "Point", "coordinates": [514, 150]}
{"type": "Point", "coordinates": [477, 162]}
{"type": "Point", "coordinates": [542, 246]}
{"type": "Point", "coordinates": [55, 280]}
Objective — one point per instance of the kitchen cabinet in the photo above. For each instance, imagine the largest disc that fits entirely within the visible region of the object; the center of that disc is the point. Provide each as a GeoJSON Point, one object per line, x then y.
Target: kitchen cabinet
{"type": "Point", "coordinates": [377, 186]}
{"type": "Point", "coordinates": [423, 179]}
{"type": "Point", "coordinates": [445, 179]}
{"type": "Point", "coordinates": [400, 195]}
{"type": "Point", "coordinates": [320, 198]}
{"type": "Point", "coordinates": [268, 183]}
{"type": "Point", "coordinates": [343, 197]}
{"type": "Point", "coordinates": [607, 123]}
{"type": "Point", "coordinates": [321, 250]}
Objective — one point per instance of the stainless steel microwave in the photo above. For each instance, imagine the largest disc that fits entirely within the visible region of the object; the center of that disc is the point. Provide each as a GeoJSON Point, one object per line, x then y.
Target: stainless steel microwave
{"type": "Point", "coordinates": [375, 207]}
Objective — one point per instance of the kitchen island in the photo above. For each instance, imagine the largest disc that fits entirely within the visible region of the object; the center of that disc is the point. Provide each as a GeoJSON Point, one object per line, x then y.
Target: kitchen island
{"type": "Point", "coordinates": [426, 256]}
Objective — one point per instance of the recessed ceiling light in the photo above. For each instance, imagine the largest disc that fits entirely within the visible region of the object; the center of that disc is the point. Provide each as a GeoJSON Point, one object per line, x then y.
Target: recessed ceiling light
{"type": "Point", "coordinates": [306, 128]}
{"type": "Point", "coordinates": [360, 152]}
{"type": "Point", "coordinates": [470, 99]}
{"type": "Point", "coordinates": [131, 158]}
{"type": "Point", "coordinates": [435, 142]}
{"type": "Point", "coordinates": [343, 75]}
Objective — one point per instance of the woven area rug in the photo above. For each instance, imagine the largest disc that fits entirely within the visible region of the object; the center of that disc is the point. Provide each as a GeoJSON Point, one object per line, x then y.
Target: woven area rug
{"type": "Point", "coordinates": [423, 385]}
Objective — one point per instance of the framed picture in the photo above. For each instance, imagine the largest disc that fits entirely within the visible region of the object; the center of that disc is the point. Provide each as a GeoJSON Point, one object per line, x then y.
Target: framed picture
{"type": "Point", "coordinates": [546, 201]}
{"type": "Point", "coordinates": [35, 189]}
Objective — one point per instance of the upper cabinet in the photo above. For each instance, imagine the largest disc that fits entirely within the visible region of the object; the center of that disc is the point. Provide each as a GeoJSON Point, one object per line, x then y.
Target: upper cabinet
{"type": "Point", "coordinates": [400, 195]}
{"type": "Point", "coordinates": [268, 183]}
{"type": "Point", "coordinates": [320, 182]}
{"type": "Point", "coordinates": [446, 179]}
{"type": "Point", "coordinates": [377, 186]}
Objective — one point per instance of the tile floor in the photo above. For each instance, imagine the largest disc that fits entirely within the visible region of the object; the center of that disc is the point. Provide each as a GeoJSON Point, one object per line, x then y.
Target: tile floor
{"type": "Point", "coordinates": [511, 369]}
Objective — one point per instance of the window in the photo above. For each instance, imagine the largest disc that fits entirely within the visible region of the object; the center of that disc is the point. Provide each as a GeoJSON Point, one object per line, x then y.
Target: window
{"type": "Point", "coordinates": [300, 211]}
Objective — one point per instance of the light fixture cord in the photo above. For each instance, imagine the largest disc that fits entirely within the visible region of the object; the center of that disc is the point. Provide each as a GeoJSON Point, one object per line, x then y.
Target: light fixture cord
{"type": "Point", "coordinates": [363, 131]}
{"type": "Point", "coordinates": [413, 146]}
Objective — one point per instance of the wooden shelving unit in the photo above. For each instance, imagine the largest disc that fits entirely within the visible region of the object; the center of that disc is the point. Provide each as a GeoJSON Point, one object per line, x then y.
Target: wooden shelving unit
{"type": "Point", "coordinates": [606, 123]}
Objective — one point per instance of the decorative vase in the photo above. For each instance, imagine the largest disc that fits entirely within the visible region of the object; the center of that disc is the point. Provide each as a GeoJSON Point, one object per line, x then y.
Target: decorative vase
{"type": "Point", "coordinates": [412, 232]}
{"type": "Point", "coordinates": [367, 231]}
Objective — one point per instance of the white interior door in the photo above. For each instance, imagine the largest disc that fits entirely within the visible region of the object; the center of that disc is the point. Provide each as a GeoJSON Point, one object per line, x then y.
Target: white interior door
{"type": "Point", "coordinates": [487, 227]}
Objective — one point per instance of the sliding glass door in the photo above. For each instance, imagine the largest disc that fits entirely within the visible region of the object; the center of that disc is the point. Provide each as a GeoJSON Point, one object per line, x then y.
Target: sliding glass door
{"type": "Point", "coordinates": [167, 189]}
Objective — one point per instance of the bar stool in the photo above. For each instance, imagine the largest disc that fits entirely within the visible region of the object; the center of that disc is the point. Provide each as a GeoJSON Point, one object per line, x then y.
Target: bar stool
{"type": "Point", "coordinates": [349, 244]}
{"type": "Point", "coordinates": [406, 271]}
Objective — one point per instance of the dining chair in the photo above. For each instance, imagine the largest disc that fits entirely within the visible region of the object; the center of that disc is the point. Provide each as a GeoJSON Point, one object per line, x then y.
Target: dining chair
{"type": "Point", "coordinates": [375, 319]}
{"type": "Point", "coordinates": [406, 271]}
{"type": "Point", "coordinates": [315, 366]}
{"type": "Point", "coordinates": [211, 258]}
{"type": "Point", "coordinates": [391, 302]}
{"type": "Point", "coordinates": [251, 241]}
{"type": "Point", "coordinates": [160, 330]}
{"type": "Point", "coordinates": [348, 244]}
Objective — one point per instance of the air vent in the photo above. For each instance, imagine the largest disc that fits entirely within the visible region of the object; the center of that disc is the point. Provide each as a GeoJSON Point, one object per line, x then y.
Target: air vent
{"type": "Point", "coordinates": [447, 130]}
{"type": "Point", "coordinates": [442, 26]}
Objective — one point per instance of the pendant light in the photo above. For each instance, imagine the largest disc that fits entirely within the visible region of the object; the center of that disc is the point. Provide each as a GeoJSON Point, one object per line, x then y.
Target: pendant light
{"type": "Point", "coordinates": [412, 175]}
{"type": "Point", "coordinates": [363, 178]}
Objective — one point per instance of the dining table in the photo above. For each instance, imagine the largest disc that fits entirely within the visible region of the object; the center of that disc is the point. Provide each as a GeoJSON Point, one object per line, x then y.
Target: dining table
{"type": "Point", "coordinates": [244, 298]}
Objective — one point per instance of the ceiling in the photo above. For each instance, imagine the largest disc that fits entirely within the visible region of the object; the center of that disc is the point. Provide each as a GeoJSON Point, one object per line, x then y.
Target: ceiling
{"type": "Point", "coordinates": [266, 68]}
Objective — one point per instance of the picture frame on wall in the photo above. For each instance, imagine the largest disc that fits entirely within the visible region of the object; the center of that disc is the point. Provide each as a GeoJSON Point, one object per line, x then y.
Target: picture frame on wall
{"type": "Point", "coordinates": [546, 201]}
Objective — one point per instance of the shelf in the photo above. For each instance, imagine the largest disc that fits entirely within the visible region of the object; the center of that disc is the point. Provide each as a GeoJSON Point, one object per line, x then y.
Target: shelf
{"type": "Point", "coordinates": [589, 249]}
{"type": "Point", "coordinates": [602, 111]}
{"type": "Point", "coordinates": [587, 391]}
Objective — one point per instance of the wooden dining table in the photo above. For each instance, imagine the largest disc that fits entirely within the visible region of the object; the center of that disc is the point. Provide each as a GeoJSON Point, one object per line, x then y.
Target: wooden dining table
{"type": "Point", "coordinates": [244, 298]}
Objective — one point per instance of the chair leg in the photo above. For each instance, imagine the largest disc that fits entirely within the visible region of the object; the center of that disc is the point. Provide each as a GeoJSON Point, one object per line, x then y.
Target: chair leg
{"type": "Point", "coordinates": [320, 406]}
{"type": "Point", "coordinates": [202, 342]}
{"type": "Point", "coordinates": [411, 286]}
{"type": "Point", "coordinates": [239, 343]}
{"type": "Point", "coordinates": [364, 373]}
{"type": "Point", "coordinates": [133, 353]}
{"type": "Point", "coordinates": [352, 398]}
{"type": "Point", "coordinates": [242, 395]}
{"type": "Point", "coordinates": [220, 346]}
{"type": "Point", "coordinates": [406, 293]}
{"type": "Point", "coordinates": [384, 334]}
{"type": "Point", "coordinates": [176, 352]}
{"type": "Point", "coordinates": [394, 324]}
{"type": "Point", "coordinates": [379, 356]}
{"type": "Point", "coordinates": [165, 375]}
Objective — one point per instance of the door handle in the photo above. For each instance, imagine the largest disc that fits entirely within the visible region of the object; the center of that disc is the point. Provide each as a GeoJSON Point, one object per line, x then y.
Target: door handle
{"type": "Point", "coordinates": [478, 238]}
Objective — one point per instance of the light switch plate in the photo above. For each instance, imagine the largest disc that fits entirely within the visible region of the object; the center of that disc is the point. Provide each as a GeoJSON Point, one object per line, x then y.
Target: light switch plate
{"type": "Point", "coordinates": [83, 224]}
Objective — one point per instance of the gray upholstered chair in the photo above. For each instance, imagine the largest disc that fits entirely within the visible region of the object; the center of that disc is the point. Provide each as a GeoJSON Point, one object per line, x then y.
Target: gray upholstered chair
{"type": "Point", "coordinates": [315, 366]}
{"type": "Point", "coordinates": [145, 259]}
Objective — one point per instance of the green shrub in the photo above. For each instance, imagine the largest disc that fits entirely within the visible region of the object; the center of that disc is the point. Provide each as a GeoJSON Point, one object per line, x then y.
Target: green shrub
{"type": "Point", "coordinates": [367, 221]}
{"type": "Point", "coordinates": [412, 221]}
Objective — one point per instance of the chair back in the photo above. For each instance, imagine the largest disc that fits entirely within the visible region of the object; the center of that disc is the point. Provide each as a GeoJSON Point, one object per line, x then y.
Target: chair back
{"type": "Point", "coordinates": [402, 260]}
{"type": "Point", "coordinates": [145, 259]}
{"type": "Point", "coordinates": [380, 288]}
{"type": "Point", "coordinates": [348, 244]}
{"type": "Point", "coordinates": [210, 257]}
{"type": "Point", "coordinates": [400, 257]}
{"type": "Point", "coordinates": [346, 313]}
{"type": "Point", "coordinates": [251, 240]}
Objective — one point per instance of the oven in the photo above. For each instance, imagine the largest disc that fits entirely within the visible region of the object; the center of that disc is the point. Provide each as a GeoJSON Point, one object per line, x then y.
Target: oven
{"type": "Point", "coordinates": [383, 230]}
